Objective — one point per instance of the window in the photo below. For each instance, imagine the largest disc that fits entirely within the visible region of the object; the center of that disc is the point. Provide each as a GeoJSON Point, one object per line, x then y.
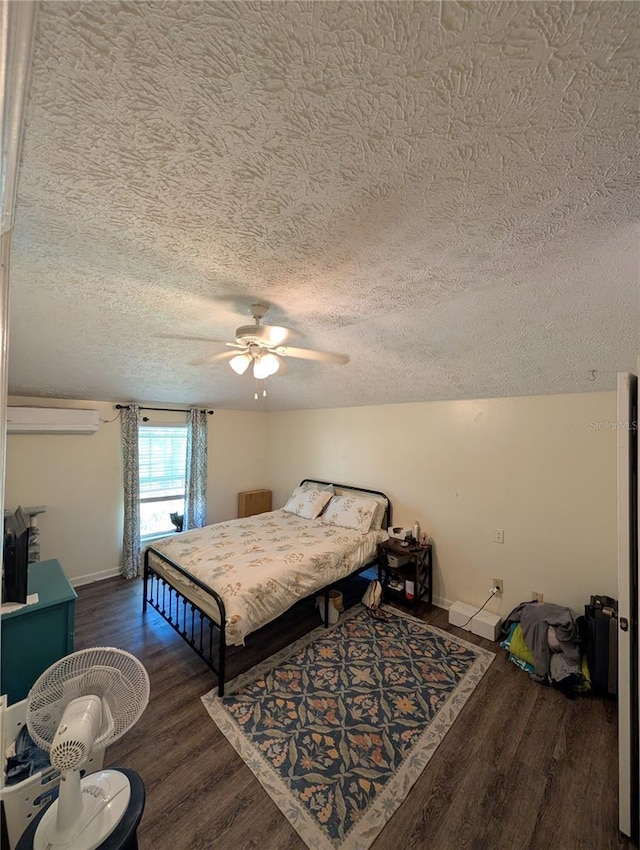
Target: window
{"type": "Point", "coordinates": [163, 463]}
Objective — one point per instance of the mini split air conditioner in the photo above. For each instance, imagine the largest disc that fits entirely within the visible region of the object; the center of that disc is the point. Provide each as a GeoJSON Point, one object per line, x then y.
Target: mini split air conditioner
{"type": "Point", "coordinates": [51, 420]}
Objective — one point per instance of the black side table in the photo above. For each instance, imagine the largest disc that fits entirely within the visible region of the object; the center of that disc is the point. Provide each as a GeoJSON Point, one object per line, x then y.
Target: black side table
{"type": "Point", "coordinates": [123, 837]}
{"type": "Point", "coordinates": [419, 570]}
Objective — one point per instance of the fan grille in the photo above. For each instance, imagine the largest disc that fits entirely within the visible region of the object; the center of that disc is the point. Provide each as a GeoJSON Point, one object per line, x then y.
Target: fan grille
{"type": "Point", "coordinates": [113, 675]}
{"type": "Point", "coordinates": [68, 755]}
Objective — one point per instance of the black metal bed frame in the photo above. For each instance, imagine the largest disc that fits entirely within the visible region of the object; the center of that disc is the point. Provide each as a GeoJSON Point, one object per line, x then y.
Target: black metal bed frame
{"type": "Point", "coordinates": [195, 626]}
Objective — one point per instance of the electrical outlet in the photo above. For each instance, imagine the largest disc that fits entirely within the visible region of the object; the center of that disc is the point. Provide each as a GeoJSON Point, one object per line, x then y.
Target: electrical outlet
{"type": "Point", "coordinates": [498, 537]}
{"type": "Point", "coordinates": [497, 582]}
{"type": "Point", "coordinates": [537, 597]}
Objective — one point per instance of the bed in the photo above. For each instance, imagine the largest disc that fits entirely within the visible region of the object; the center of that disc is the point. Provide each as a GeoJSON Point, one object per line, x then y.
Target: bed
{"type": "Point", "coordinates": [217, 584]}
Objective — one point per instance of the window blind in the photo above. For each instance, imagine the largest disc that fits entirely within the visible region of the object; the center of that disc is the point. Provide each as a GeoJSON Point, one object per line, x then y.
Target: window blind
{"type": "Point", "coordinates": [163, 457]}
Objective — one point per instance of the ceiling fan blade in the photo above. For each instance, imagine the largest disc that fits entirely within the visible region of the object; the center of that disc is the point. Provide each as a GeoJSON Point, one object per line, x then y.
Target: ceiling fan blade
{"type": "Point", "coordinates": [308, 354]}
{"type": "Point", "coordinates": [190, 338]}
{"type": "Point", "coordinates": [225, 355]}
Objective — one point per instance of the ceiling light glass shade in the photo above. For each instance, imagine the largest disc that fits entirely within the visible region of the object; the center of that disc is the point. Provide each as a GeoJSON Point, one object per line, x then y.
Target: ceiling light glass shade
{"type": "Point", "coordinates": [277, 335]}
{"type": "Point", "coordinates": [266, 365]}
{"type": "Point", "coordinates": [240, 363]}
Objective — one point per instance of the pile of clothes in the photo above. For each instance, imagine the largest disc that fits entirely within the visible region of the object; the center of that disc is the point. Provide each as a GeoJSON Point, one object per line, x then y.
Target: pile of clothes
{"type": "Point", "coordinates": [24, 758]}
{"type": "Point", "coordinates": [548, 641]}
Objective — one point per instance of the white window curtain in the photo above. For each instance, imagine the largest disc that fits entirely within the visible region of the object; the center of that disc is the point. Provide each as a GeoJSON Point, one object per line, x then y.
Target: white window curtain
{"type": "Point", "coordinates": [130, 562]}
{"type": "Point", "coordinates": [195, 503]}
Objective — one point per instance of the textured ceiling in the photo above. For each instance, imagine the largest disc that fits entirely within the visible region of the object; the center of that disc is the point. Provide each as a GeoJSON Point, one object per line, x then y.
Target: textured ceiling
{"type": "Point", "coordinates": [446, 192]}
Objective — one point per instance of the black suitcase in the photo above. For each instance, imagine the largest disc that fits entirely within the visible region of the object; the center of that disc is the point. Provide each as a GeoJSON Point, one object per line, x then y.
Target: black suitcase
{"type": "Point", "coordinates": [601, 618]}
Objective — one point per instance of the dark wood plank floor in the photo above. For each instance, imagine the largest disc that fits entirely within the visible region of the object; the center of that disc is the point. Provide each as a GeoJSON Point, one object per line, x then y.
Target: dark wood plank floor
{"type": "Point", "coordinates": [522, 767]}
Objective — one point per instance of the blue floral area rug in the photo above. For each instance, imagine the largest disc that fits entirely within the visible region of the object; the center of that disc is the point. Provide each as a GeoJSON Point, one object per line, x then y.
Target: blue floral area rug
{"type": "Point", "coordinates": [339, 726]}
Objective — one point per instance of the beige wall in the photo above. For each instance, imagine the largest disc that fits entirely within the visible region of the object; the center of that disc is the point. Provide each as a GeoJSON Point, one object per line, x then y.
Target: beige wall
{"type": "Point", "coordinates": [537, 467]}
{"type": "Point", "coordinates": [79, 479]}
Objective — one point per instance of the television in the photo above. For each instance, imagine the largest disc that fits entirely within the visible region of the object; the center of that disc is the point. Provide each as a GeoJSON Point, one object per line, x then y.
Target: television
{"type": "Point", "coordinates": [15, 557]}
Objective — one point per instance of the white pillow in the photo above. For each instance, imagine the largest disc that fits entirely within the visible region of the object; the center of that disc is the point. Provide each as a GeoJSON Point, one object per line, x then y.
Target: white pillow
{"type": "Point", "coordinates": [381, 508]}
{"type": "Point", "coordinates": [350, 512]}
{"type": "Point", "coordinates": [315, 485]}
{"type": "Point", "coordinates": [378, 514]}
{"type": "Point", "coordinates": [307, 503]}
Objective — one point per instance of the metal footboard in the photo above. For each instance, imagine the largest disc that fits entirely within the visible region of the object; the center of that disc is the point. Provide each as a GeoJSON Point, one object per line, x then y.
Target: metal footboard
{"type": "Point", "coordinates": [196, 627]}
{"type": "Point", "coordinates": [193, 625]}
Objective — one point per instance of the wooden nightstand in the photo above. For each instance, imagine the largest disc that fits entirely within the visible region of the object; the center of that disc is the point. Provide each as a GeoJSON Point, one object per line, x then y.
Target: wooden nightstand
{"type": "Point", "coordinates": [252, 502]}
{"type": "Point", "coordinates": [418, 570]}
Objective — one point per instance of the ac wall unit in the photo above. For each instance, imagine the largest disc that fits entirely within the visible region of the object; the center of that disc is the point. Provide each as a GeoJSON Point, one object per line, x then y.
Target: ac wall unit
{"type": "Point", "coordinates": [51, 420]}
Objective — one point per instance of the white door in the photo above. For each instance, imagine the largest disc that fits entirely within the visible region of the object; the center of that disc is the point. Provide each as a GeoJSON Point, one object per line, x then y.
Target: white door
{"type": "Point", "coordinates": [628, 679]}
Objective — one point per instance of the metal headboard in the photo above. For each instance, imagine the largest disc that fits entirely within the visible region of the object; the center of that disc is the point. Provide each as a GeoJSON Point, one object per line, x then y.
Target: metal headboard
{"type": "Point", "coordinates": [388, 513]}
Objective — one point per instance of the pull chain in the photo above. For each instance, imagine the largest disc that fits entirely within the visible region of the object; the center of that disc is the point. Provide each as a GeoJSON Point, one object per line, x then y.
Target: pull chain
{"type": "Point", "coordinates": [264, 391]}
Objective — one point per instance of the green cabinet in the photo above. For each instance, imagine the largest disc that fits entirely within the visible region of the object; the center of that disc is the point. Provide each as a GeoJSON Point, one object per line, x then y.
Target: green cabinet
{"type": "Point", "coordinates": [35, 636]}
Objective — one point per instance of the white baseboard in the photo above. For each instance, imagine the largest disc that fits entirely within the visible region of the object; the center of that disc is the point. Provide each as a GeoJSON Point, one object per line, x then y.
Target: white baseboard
{"type": "Point", "coordinates": [78, 581]}
{"type": "Point", "coordinates": [441, 602]}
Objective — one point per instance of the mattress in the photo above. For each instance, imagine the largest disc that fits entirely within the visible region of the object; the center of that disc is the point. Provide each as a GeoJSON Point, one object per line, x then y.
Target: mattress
{"type": "Point", "coordinates": [261, 565]}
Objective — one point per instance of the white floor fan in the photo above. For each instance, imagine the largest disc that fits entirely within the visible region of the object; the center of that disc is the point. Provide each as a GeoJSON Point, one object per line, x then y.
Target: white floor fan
{"type": "Point", "coordinates": [86, 700]}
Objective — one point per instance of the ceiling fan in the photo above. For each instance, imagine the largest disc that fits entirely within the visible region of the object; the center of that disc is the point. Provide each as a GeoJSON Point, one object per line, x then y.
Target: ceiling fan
{"type": "Point", "coordinates": [260, 346]}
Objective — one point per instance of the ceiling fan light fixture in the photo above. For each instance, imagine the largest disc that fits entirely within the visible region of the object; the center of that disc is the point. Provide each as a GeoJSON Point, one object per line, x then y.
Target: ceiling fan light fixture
{"type": "Point", "coordinates": [277, 335]}
{"type": "Point", "coordinates": [240, 363]}
{"type": "Point", "coordinates": [266, 365]}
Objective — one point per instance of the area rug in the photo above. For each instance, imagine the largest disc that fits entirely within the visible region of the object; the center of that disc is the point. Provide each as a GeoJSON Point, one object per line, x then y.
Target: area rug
{"type": "Point", "coordinates": [340, 725]}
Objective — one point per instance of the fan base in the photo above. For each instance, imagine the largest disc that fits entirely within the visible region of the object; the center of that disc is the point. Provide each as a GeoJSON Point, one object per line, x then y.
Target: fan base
{"type": "Point", "coordinates": [105, 797]}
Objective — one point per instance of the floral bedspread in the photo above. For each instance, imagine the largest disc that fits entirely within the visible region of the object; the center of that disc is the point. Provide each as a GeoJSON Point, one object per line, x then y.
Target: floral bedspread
{"type": "Point", "coordinates": [262, 565]}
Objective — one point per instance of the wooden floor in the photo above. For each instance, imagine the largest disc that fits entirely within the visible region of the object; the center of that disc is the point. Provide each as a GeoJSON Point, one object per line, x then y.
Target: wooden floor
{"type": "Point", "coordinates": [523, 768]}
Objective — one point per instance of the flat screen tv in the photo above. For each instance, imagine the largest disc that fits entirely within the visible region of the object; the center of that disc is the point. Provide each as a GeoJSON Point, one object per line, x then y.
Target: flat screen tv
{"type": "Point", "coordinates": [15, 563]}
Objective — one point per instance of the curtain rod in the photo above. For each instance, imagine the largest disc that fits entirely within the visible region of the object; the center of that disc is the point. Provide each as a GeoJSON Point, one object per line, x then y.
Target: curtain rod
{"type": "Point", "coordinates": [167, 409]}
